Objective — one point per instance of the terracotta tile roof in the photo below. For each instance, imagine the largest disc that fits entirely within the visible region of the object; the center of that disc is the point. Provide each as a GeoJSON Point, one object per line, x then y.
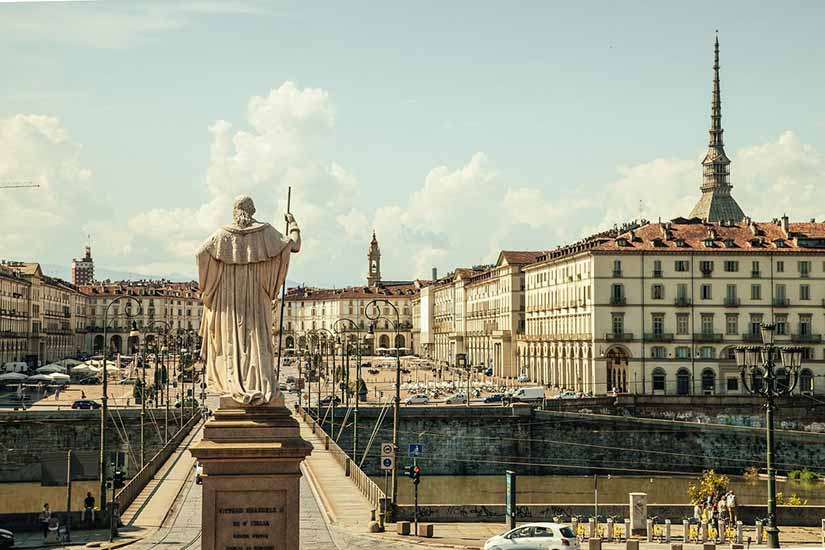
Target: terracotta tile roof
{"type": "Point", "coordinates": [142, 288]}
{"type": "Point", "coordinates": [351, 293]}
{"type": "Point", "coordinates": [680, 235]}
{"type": "Point", "coordinates": [520, 257]}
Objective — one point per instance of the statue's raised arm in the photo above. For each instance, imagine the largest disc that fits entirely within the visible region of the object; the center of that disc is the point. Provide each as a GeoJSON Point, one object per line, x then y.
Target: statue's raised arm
{"type": "Point", "coordinates": [241, 268]}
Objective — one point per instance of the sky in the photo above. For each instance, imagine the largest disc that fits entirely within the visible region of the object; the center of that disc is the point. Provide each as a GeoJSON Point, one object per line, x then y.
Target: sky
{"type": "Point", "coordinates": [453, 129]}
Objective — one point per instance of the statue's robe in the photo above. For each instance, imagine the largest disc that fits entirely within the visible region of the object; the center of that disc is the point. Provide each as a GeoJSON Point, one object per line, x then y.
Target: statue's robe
{"type": "Point", "coordinates": [240, 271]}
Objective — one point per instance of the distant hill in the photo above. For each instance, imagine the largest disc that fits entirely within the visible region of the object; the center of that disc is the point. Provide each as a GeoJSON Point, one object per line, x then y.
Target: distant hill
{"type": "Point", "coordinates": [102, 274]}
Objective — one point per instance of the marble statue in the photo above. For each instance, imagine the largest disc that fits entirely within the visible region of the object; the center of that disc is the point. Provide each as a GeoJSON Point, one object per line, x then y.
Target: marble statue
{"type": "Point", "coordinates": [241, 269]}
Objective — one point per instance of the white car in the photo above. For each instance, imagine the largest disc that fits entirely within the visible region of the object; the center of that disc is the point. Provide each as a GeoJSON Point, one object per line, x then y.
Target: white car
{"type": "Point", "coordinates": [546, 536]}
{"type": "Point", "coordinates": [458, 398]}
{"type": "Point", "coordinates": [417, 399]}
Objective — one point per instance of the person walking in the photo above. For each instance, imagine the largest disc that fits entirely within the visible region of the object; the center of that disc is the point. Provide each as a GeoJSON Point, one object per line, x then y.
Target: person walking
{"type": "Point", "coordinates": [730, 502]}
{"type": "Point", "coordinates": [44, 518]}
{"type": "Point", "coordinates": [88, 507]}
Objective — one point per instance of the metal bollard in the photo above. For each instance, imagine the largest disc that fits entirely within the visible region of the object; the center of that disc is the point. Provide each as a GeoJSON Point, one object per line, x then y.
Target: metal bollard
{"type": "Point", "coordinates": [759, 531]}
{"type": "Point", "coordinates": [685, 530]}
{"type": "Point", "coordinates": [667, 531]}
{"type": "Point", "coordinates": [592, 534]}
{"type": "Point", "coordinates": [703, 535]}
{"type": "Point", "coordinates": [739, 529]}
{"type": "Point", "coordinates": [627, 529]}
{"type": "Point", "coordinates": [723, 525]}
{"type": "Point", "coordinates": [649, 526]}
{"type": "Point", "coordinates": [609, 530]}
{"type": "Point", "coordinates": [822, 532]}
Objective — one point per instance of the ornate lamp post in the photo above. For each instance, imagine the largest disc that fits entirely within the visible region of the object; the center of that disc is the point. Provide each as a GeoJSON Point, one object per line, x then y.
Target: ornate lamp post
{"type": "Point", "coordinates": [357, 377]}
{"type": "Point", "coordinates": [104, 409]}
{"type": "Point", "coordinates": [373, 316]}
{"type": "Point", "coordinates": [327, 343]}
{"type": "Point", "coordinates": [164, 378]}
{"type": "Point", "coordinates": [758, 363]}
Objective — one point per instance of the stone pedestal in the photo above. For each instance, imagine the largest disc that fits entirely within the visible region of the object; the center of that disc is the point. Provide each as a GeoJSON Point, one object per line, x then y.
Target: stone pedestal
{"type": "Point", "coordinates": [251, 460]}
{"type": "Point", "coordinates": [638, 514]}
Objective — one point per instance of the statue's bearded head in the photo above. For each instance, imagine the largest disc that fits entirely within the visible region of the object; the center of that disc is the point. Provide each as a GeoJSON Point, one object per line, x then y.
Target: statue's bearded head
{"type": "Point", "coordinates": [242, 211]}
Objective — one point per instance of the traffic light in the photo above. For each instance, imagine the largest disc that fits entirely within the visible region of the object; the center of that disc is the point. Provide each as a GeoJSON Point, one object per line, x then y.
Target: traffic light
{"type": "Point", "coordinates": [409, 471]}
{"type": "Point", "coordinates": [416, 475]}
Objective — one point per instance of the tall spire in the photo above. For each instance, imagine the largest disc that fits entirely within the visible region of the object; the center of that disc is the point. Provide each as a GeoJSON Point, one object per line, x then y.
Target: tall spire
{"type": "Point", "coordinates": [716, 203]}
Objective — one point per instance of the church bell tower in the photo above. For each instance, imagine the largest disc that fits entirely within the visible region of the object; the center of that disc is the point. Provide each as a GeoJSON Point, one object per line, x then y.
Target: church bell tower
{"type": "Point", "coordinates": [374, 268]}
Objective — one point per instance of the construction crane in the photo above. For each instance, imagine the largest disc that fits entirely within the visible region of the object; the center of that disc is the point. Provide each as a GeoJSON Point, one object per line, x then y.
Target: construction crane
{"type": "Point", "coordinates": [17, 184]}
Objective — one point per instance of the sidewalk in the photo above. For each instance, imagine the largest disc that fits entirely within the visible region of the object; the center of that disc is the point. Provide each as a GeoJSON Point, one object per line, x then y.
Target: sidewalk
{"type": "Point", "coordinates": [342, 502]}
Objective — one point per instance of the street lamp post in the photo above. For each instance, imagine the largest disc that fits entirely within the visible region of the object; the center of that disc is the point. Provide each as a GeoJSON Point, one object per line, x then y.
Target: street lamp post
{"type": "Point", "coordinates": [357, 378]}
{"type": "Point", "coordinates": [328, 343]}
{"type": "Point", "coordinates": [159, 352]}
{"type": "Point", "coordinates": [759, 363]}
{"type": "Point", "coordinates": [397, 405]}
{"type": "Point", "coordinates": [104, 409]}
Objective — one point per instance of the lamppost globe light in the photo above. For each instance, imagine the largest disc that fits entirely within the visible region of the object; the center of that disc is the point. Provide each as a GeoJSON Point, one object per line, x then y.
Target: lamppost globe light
{"type": "Point", "coordinates": [791, 358]}
{"type": "Point", "coordinates": [753, 356]}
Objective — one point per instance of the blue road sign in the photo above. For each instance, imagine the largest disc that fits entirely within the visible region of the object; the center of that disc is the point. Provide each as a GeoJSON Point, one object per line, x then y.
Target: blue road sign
{"type": "Point", "coordinates": [415, 449]}
{"type": "Point", "coordinates": [387, 463]}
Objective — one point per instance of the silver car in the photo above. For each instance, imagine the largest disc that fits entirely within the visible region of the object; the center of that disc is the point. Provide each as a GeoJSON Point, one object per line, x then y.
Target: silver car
{"type": "Point", "coordinates": [546, 536]}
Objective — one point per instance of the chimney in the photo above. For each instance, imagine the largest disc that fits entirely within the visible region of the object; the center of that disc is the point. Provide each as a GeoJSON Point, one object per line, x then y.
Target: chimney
{"type": "Point", "coordinates": [786, 228]}
{"type": "Point", "coordinates": [435, 274]}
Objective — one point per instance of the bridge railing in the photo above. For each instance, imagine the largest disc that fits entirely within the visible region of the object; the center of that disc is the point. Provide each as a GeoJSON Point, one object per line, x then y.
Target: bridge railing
{"type": "Point", "coordinates": [134, 486]}
{"type": "Point", "coordinates": [371, 491]}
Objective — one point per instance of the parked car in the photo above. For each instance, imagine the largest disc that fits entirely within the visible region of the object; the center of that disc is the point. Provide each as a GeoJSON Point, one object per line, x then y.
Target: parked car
{"type": "Point", "coordinates": [536, 393]}
{"type": "Point", "coordinates": [488, 371]}
{"type": "Point", "coordinates": [85, 404]}
{"type": "Point", "coordinates": [6, 538]}
{"type": "Point", "coordinates": [331, 399]}
{"type": "Point", "coordinates": [188, 403]}
{"type": "Point", "coordinates": [523, 378]}
{"type": "Point", "coordinates": [456, 399]}
{"type": "Point", "coordinates": [89, 381]}
{"type": "Point", "coordinates": [417, 399]}
{"type": "Point", "coordinates": [545, 536]}
{"type": "Point", "coordinates": [494, 398]}
{"type": "Point", "coordinates": [129, 381]}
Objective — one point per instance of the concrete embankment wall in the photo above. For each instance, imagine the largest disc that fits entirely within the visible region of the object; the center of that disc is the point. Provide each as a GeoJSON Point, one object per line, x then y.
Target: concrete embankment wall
{"type": "Point", "coordinates": [30, 439]}
{"type": "Point", "coordinates": [796, 516]}
{"type": "Point", "coordinates": [489, 440]}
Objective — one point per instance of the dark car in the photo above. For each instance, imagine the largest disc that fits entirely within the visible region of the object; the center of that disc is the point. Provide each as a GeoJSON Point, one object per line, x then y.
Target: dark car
{"type": "Point", "coordinates": [494, 398]}
{"type": "Point", "coordinates": [6, 538]}
{"type": "Point", "coordinates": [85, 404]}
{"type": "Point", "coordinates": [89, 381]}
{"type": "Point", "coordinates": [329, 399]}
{"type": "Point", "coordinates": [189, 402]}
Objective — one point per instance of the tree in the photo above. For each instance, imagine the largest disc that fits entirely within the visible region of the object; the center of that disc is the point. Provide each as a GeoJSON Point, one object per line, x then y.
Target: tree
{"type": "Point", "coordinates": [709, 484]}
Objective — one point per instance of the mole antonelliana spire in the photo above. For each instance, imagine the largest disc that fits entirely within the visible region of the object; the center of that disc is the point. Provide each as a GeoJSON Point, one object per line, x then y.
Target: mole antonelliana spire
{"type": "Point", "coordinates": [716, 203]}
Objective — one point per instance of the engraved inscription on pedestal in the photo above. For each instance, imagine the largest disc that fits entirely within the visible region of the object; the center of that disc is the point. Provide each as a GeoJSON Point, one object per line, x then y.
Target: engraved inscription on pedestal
{"type": "Point", "coordinates": [250, 520]}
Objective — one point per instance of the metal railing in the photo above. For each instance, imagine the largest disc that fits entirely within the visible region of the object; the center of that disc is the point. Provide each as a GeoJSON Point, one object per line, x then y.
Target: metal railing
{"type": "Point", "coordinates": [371, 491]}
{"type": "Point", "coordinates": [134, 486]}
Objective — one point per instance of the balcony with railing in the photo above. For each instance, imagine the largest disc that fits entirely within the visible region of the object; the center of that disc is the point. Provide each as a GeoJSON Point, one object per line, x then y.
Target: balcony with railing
{"type": "Point", "coordinates": [681, 301]}
{"type": "Point", "coordinates": [732, 301]}
{"type": "Point", "coordinates": [618, 300]}
{"type": "Point", "coordinates": [617, 272]}
{"type": "Point", "coordinates": [781, 302]}
{"type": "Point", "coordinates": [657, 273]}
{"type": "Point", "coordinates": [618, 336]}
{"type": "Point", "coordinates": [707, 337]}
{"type": "Point", "coordinates": [756, 274]}
{"type": "Point", "coordinates": [755, 337]}
{"type": "Point", "coordinates": [659, 337]}
{"type": "Point", "coordinates": [806, 338]}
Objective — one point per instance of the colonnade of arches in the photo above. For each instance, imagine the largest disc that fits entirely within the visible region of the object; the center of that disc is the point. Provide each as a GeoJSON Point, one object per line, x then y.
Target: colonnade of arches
{"type": "Point", "coordinates": [564, 365]}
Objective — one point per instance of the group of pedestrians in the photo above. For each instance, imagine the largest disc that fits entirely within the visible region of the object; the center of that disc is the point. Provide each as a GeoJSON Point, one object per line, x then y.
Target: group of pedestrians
{"type": "Point", "coordinates": [716, 509]}
{"type": "Point", "coordinates": [50, 524]}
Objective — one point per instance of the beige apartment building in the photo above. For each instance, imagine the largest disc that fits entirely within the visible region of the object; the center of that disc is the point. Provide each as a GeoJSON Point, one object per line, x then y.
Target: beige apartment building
{"type": "Point", "coordinates": [164, 305]}
{"type": "Point", "coordinates": [660, 308]}
{"type": "Point", "coordinates": [309, 308]}
{"type": "Point", "coordinates": [15, 321]}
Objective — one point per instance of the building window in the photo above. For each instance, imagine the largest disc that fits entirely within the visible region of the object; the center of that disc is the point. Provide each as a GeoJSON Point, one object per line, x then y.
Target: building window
{"type": "Point", "coordinates": [657, 292]}
{"type": "Point", "coordinates": [731, 324]}
{"type": "Point", "coordinates": [755, 269]}
{"type": "Point", "coordinates": [659, 379]}
{"type": "Point", "coordinates": [804, 268]}
{"type": "Point", "coordinates": [756, 292]}
{"type": "Point", "coordinates": [657, 268]}
{"type": "Point", "coordinates": [682, 323]}
{"type": "Point", "coordinates": [706, 352]}
{"type": "Point", "coordinates": [755, 324]}
{"type": "Point", "coordinates": [730, 294]}
{"type": "Point", "coordinates": [732, 385]}
{"type": "Point", "coordinates": [658, 352]}
{"type": "Point", "coordinates": [618, 323]}
{"type": "Point", "coordinates": [658, 320]}
{"type": "Point", "coordinates": [705, 292]}
{"type": "Point", "coordinates": [804, 292]}
{"type": "Point", "coordinates": [804, 325]}
{"type": "Point", "coordinates": [617, 293]}
{"type": "Point", "coordinates": [682, 266]}
{"type": "Point", "coordinates": [780, 266]}
{"type": "Point", "coordinates": [806, 381]}
{"type": "Point", "coordinates": [781, 325]}
{"type": "Point", "coordinates": [780, 293]}
{"type": "Point", "coordinates": [707, 323]}
{"type": "Point", "coordinates": [681, 293]}
{"type": "Point", "coordinates": [683, 352]}
{"type": "Point", "coordinates": [706, 267]}
{"type": "Point", "coordinates": [731, 266]}
{"type": "Point", "coordinates": [617, 268]}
